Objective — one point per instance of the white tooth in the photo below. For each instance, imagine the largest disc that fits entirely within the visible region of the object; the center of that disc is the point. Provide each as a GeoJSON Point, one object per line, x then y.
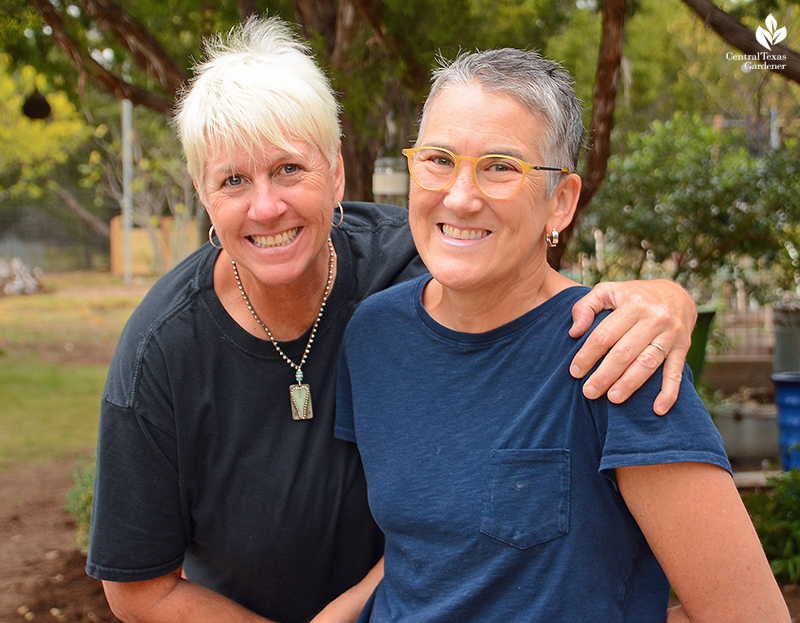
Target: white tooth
{"type": "Point", "coordinates": [463, 234]}
{"type": "Point", "coordinates": [276, 241]}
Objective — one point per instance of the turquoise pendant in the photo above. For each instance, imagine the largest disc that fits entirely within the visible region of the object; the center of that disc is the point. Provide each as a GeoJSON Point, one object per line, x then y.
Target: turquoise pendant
{"type": "Point", "coordinates": [300, 398]}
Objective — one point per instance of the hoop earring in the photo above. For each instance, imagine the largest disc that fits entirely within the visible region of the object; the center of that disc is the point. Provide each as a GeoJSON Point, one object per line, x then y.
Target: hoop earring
{"type": "Point", "coordinates": [211, 238]}
{"type": "Point", "coordinates": [552, 239]}
{"type": "Point", "coordinates": [341, 213]}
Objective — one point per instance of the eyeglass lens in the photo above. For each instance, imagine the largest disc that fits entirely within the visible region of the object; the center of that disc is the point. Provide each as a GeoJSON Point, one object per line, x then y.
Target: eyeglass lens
{"type": "Point", "coordinates": [497, 176]}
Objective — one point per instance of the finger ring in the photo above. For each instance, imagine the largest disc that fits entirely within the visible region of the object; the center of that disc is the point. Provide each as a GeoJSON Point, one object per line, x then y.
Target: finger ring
{"type": "Point", "coordinates": [661, 348]}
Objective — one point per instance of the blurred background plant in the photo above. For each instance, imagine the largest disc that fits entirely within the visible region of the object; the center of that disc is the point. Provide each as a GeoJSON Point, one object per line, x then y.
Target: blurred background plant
{"type": "Point", "coordinates": [776, 515]}
{"type": "Point", "coordinates": [79, 500]}
{"type": "Point", "coordinates": [687, 201]}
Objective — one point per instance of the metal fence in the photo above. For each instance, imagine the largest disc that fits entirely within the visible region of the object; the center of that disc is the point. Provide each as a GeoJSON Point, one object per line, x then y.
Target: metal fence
{"type": "Point", "coordinates": [743, 334]}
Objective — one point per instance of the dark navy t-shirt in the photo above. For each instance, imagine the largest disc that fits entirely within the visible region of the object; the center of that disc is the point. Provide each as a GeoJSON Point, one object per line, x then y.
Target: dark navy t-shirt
{"type": "Point", "coordinates": [199, 461]}
{"type": "Point", "coordinates": [492, 476]}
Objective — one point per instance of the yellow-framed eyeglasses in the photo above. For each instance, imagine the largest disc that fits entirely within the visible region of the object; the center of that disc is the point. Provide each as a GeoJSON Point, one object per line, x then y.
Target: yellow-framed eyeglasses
{"type": "Point", "coordinates": [497, 176]}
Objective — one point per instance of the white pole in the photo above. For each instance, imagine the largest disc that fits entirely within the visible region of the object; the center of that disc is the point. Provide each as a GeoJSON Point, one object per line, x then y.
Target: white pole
{"type": "Point", "coordinates": [774, 129]}
{"type": "Point", "coordinates": [127, 198]}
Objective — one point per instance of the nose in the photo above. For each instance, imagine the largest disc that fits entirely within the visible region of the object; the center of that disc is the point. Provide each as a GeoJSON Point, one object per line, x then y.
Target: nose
{"type": "Point", "coordinates": [266, 203]}
{"type": "Point", "coordinates": [463, 196]}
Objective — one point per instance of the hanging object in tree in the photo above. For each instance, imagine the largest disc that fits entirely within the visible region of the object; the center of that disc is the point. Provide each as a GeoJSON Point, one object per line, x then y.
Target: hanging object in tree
{"type": "Point", "coordinates": [36, 106]}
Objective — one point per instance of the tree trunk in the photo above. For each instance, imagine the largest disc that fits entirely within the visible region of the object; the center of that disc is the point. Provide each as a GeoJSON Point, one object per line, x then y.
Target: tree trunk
{"type": "Point", "coordinates": [247, 8]}
{"type": "Point", "coordinates": [337, 24]}
{"type": "Point", "coordinates": [605, 93]}
{"type": "Point", "coordinates": [739, 36]}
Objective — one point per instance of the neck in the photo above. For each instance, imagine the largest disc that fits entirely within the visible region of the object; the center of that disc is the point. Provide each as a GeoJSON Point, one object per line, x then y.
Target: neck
{"type": "Point", "coordinates": [484, 309]}
{"type": "Point", "coordinates": [288, 311]}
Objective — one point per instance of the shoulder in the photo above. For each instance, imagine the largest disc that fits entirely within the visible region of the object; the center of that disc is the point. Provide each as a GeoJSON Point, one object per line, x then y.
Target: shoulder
{"type": "Point", "coordinates": [375, 247]}
{"type": "Point", "coordinates": [365, 216]}
{"type": "Point", "coordinates": [171, 296]}
{"type": "Point", "coordinates": [554, 316]}
{"type": "Point", "coordinates": [391, 299]}
{"type": "Point", "coordinates": [375, 228]}
{"type": "Point", "coordinates": [389, 308]}
{"type": "Point", "coordinates": [395, 299]}
{"type": "Point", "coordinates": [173, 290]}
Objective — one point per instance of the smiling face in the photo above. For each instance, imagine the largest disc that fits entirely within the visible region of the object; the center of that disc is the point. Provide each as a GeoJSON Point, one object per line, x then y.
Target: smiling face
{"type": "Point", "coordinates": [272, 210]}
{"type": "Point", "coordinates": [472, 243]}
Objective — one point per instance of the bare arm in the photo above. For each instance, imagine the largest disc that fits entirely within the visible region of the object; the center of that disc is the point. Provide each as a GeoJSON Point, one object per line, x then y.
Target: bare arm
{"type": "Point", "coordinates": [698, 528]}
{"type": "Point", "coordinates": [172, 598]}
{"type": "Point", "coordinates": [646, 312]}
{"type": "Point", "coordinates": [347, 607]}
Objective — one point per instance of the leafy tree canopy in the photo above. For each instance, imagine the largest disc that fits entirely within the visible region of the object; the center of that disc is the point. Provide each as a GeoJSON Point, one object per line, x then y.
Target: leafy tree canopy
{"type": "Point", "coordinates": [34, 148]}
{"type": "Point", "coordinates": [687, 200]}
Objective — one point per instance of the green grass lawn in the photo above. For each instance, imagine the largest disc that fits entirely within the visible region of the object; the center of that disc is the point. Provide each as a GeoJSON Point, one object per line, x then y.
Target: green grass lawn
{"type": "Point", "coordinates": [55, 348]}
{"type": "Point", "coordinates": [49, 410]}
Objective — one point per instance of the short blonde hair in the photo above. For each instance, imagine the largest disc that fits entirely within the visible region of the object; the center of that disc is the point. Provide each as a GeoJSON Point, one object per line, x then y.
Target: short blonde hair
{"type": "Point", "coordinates": [257, 83]}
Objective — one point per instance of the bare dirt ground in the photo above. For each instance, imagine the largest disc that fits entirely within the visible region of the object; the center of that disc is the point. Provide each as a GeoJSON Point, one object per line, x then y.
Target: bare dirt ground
{"type": "Point", "coordinates": [42, 574]}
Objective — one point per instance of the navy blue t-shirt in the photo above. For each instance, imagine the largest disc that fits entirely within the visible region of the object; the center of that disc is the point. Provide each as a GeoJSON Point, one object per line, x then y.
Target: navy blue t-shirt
{"type": "Point", "coordinates": [492, 476]}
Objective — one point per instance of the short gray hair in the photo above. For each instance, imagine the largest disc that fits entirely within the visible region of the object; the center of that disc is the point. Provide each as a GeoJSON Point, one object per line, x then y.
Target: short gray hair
{"type": "Point", "coordinates": [540, 85]}
{"type": "Point", "coordinates": [257, 83]}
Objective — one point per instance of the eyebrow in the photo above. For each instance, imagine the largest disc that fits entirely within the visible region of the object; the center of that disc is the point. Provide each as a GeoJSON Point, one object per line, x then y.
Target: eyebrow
{"type": "Point", "coordinates": [500, 152]}
{"type": "Point", "coordinates": [238, 161]}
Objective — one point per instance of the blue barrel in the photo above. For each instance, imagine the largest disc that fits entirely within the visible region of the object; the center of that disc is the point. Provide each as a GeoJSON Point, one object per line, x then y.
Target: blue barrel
{"type": "Point", "coordinates": [787, 398]}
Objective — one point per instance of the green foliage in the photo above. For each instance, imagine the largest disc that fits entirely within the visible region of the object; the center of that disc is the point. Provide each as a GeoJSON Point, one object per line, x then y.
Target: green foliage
{"type": "Point", "coordinates": [577, 47]}
{"type": "Point", "coordinates": [687, 200]}
{"type": "Point", "coordinates": [34, 149]}
{"type": "Point", "coordinates": [776, 516]}
{"type": "Point", "coordinates": [39, 159]}
{"type": "Point", "coordinates": [79, 500]}
{"type": "Point", "coordinates": [709, 83]}
{"type": "Point", "coordinates": [670, 63]}
{"type": "Point", "coordinates": [519, 24]}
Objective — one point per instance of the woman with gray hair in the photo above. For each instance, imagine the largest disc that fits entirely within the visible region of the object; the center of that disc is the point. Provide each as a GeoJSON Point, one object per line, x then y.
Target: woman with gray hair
{"type": "Point", "coordinates": [503, 492]}
{"type": "Point", "coordinates": [221, 492]}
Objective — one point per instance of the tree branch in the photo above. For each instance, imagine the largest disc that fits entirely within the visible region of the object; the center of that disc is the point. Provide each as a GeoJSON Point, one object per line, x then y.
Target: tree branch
{"type": "Point", "coordinates": [145, 50]}
{"type": "Point", "coordinates": [741, 37]}
{"type": "Point", "coordinates": [97, 224]}
{"type": "Point", "coordinates": [104, 79]}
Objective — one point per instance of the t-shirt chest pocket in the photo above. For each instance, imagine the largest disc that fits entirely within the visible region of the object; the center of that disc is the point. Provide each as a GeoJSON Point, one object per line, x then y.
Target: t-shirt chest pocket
{"type": "Point", "coordinates": [526, 501]}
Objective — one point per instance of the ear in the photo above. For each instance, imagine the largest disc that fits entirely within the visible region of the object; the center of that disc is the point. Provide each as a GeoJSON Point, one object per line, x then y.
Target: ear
{"type": "Point", "coordinates": [563, 202]}
{"type": "Point", "coordinates": [339, 174]}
